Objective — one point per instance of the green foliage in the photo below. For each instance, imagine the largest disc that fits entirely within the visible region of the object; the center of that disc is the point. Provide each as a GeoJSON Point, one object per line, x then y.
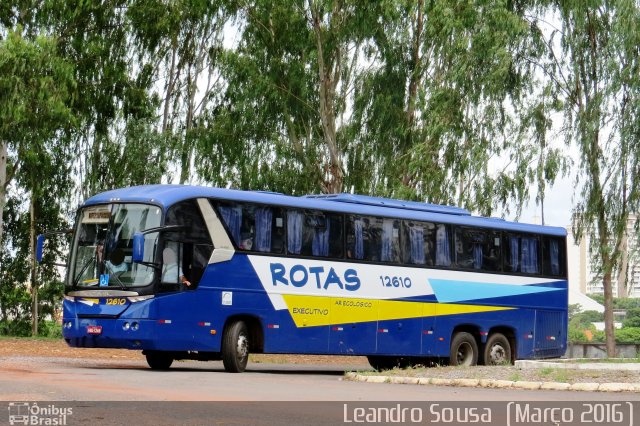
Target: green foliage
{"type": "Point", "coordinates": [585, 318]}
{"type": "Point", "coordinates": [628, 335]}
{"type": "Point", "coordinates": [632, 319]}
{"type": "Point", "coordinates": [599, 336]}
{"type": "Point", "coordinates": [575, 334]}
{"type": "Point", "coordinates": [622, 335]}
{"type": "Point", "coordinates": [20, 328]}
{"type": "Point", "coordinates": [35, 84]}
{"type": "Point", "coordinates": [50, 329]}
{"type": "Point", "coordinates": [618, 302]}
{"type": "Point", "coordinates": [626, 303]}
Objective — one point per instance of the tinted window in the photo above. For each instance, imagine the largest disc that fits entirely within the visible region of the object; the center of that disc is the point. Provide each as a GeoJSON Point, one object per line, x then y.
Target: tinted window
{"type": "Point", "coordinates": [554, 260]}
{"type": "Point", "coordinates": [313, 233]}
{"type": "Point", "coordinates": [374, 239]}
{"type": "Point", "coordinates": [187, 214]}
{"type": "Point", "coordinates": [477, 249]}
{"type": "Point", "coordinates": [254, 227]}
{"type": "Point", "coordinates": [522, 253]}
{"type": "Point", "coordinates": [419, 243]}
{"type": "Point", "coordinates": [186, 251]}
{"type": "Point", "coordinates": [443, 245]}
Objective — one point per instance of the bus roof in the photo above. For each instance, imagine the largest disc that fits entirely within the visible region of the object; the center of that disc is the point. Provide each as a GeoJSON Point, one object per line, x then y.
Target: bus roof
{"type": "Point", "coordinates": [167, 195]}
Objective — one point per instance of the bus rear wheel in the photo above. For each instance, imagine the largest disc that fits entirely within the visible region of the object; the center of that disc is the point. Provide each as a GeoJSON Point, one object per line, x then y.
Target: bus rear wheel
{"type": "Point", "coordinates": [235, 347]}
{"type": "Point", "coordinates": [497, 350]}
{"type": "Point", "coordinates": [158, 360]}
{"type": "Point", "coordinates": [464, 350]}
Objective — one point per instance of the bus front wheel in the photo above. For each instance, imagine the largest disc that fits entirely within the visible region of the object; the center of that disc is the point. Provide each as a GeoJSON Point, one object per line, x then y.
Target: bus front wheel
{"type": "Point", "coordinates": [497, 351]}
{"type": "Point", "coordinates": [158, 360]}
{"type": "Point", "coordinates": [235, 347]}
{"type": "Point", "coordinates": [464, 350]}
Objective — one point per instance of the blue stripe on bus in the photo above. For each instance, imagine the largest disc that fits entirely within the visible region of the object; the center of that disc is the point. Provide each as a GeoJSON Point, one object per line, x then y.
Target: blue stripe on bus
{"type": "Point", "coordinates": [448, 291]}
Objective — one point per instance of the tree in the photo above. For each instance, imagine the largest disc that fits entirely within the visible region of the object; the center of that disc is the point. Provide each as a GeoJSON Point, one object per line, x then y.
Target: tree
{"type": "Point", "coordinates": [285, 108]}
{"type": "Point", "coordinates": [599, 82]}
{"type": "Point", "coordinates": [450, 111]}
{"type": "Point", "coordinates": [35, 86]}
{"type": "Point", "coordinates": [180, 41]}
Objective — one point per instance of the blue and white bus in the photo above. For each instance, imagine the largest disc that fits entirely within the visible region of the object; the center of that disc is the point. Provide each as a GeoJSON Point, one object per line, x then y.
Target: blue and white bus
{"type": "Point", "coordinates": [185, 272]}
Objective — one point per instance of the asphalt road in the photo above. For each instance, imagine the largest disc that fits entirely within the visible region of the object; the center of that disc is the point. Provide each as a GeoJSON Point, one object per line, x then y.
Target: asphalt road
{"type": "Point", "coordinates": [112, 392]}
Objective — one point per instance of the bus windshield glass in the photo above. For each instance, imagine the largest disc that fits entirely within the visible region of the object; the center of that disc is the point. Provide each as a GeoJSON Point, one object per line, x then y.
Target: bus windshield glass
{"type": "Point", "coordinates": [103, 245]}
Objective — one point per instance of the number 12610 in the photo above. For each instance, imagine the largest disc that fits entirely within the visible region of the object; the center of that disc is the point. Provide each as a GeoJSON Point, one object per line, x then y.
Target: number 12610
{"type": "Point", "coordinates": [388, 281]}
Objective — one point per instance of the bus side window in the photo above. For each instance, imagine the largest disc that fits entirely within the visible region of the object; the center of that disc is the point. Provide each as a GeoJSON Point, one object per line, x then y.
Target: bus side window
{"type": "Point", "coordinates": [355, 238]}
{"type": "Point", "coordinates": [522, 253]}
{"type": "Point", "coordinates": [314, 233]}
{"type": "Point", "coordinates": [390, 244]}
{"type": "Point", "coordinates": [254, 227]}
{"type": "Point", "coordinates": [492, 255]}
{"type": "Point", "coordinates": [554, 256]}
{"type": "Point", "coordinates": [231, 215]}
{"type": "Point", "coordinates": [419, 239]}
{"type": "Point", "coordinates": [192, 243]}
{"type": "Point", "coordinates": [336, 243]}
{"type": "Point", "coordinates": [443, 244]}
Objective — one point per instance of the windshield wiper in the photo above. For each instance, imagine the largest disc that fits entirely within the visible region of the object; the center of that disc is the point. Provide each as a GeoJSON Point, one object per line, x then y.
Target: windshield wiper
{"type": "Point", "coordinates": [82, 271]}
{"type": "Point", "coordinates": [113, 274]}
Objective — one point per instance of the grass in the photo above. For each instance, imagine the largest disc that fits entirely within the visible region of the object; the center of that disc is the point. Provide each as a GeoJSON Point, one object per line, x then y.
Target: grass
{"type": "Point", "coordinates": [546, 371]}
{"type": "Point", "coordinates": [562, 376]}
{"type": "Point", "coordinates": [515, 377]}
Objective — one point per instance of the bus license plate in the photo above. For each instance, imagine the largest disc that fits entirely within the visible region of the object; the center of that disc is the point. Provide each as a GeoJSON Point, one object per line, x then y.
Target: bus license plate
{"type": "Point", "coordinates": [94, 329]}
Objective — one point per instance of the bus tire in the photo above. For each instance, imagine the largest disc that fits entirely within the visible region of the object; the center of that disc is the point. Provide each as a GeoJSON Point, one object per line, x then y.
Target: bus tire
{"type": "Point", "coordinates": [158, 360]}
{"type": "Point", "coordinates": [235, 347]}
{"type": "Point", "coordinates": [497, 350]}
{"type": "Point", "coordinates": [464, 350]}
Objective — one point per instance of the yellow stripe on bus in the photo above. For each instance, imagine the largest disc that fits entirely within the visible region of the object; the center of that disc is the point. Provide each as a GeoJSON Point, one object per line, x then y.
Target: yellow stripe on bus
{"type": "Point", "coordinates": [309, 311]}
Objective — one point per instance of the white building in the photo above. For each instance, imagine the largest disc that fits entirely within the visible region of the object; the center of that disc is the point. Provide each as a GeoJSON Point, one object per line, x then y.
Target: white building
{"type": "Point", "coordinates": [583, 275]}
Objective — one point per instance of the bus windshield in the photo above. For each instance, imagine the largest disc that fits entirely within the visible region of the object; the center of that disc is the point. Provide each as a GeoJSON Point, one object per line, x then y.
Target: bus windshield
{"type": "Point", "coordinates": [103, 245]}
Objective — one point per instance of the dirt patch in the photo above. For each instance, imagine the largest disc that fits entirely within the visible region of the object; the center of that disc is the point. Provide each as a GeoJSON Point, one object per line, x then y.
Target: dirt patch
{"type": "Point", "coordinates": [10, 346]}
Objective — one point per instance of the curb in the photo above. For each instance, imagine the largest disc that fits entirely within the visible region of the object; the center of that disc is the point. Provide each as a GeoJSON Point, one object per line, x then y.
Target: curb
{"type": "Point", "coordinates": [497, 384]}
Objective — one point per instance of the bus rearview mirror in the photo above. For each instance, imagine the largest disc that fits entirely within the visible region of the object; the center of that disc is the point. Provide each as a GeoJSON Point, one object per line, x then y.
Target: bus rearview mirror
{"type": "Point", "coordinates": [138, 248]}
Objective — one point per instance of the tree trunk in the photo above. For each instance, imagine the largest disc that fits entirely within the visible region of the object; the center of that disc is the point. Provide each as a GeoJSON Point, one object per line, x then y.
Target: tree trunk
{"type": "Point", "coordinates": [34, 284]}
{"type": "Point", "coordinates": [624, 266]}
{"type": "Point", "coordinates": [185, 156]}
{"type": "Point", "coordinates": [608, 316]}
{"type": "Point", "coordinates": [3, 182]}
{"type": "Point", "coordinates": [169, 91]}
{"type": "Point", "coordinates": [328, 76]}
{"type": "Point", "coordinates": [417, 68]}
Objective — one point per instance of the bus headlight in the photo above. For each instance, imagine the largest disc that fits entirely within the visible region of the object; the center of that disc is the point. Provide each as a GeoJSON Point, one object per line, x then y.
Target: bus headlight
{"type": "Point", "coordinates": [126, 326]}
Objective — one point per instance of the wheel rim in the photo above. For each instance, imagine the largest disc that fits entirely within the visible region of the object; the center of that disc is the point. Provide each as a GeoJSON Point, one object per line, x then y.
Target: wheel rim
{"type": "Point", "coordinates": [464, 354]}
{"type": "Point", "coordinates": [497, 354]}
{"type": "Point", "coordinates": [242, 346]}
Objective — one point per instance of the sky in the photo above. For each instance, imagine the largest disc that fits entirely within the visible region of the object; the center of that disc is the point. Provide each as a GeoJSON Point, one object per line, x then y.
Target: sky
{"type": "Point", "coordinates": [558, 205]}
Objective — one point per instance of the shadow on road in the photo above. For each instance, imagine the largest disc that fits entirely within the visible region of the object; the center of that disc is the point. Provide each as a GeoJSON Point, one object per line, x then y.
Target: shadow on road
{"type": "Point", "coordinates": [216, 367]}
